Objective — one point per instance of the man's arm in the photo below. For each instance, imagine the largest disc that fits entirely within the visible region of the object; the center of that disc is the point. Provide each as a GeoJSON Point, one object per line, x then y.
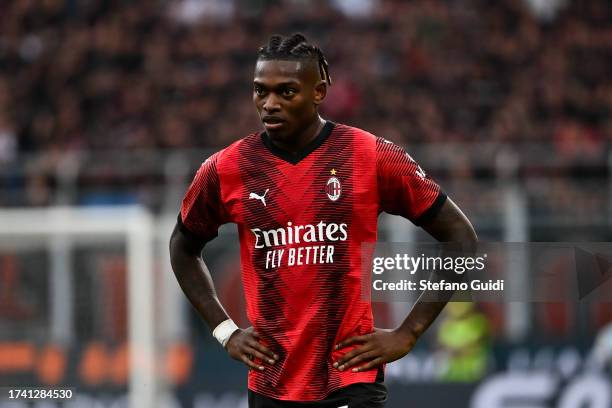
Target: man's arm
{"type": "Point", "coordinates": [195, 280]}
{"type": "Point", "coordinates": [450, 225]}
{"type": "Point", "coordinates": [384, 346]}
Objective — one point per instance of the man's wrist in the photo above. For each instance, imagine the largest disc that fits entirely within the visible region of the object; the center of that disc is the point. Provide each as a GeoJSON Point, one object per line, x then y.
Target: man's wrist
{"type": "Point", "coordinates": [411, 329]}
{"type": "Point", "coordinates": [224, 331]}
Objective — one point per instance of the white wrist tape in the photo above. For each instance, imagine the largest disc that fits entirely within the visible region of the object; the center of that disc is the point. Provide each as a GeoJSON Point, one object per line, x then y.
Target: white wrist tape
{"type": "Point", "coordinates": [224, 330]}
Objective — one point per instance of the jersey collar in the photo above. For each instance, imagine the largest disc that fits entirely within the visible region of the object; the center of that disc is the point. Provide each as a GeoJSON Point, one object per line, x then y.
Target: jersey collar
{"type": "Point", "coordinates": [303, 153]}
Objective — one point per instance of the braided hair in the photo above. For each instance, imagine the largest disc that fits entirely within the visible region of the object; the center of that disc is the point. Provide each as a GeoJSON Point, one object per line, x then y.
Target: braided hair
{"type": "Point", "coordinates": [295, 47]}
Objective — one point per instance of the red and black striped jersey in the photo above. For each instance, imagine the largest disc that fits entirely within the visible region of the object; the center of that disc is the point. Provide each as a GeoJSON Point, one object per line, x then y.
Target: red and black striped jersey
{"type": "Point", "coordinates": [302, 220]}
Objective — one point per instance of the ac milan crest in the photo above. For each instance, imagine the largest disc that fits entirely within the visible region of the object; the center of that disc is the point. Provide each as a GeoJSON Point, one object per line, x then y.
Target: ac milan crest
{"type": "Point", "coordinates": [333, 188]}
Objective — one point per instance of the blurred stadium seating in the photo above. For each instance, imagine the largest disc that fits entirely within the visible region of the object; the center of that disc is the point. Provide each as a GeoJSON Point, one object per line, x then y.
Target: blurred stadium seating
{"type": "Point", "coordinates": [105, 102]}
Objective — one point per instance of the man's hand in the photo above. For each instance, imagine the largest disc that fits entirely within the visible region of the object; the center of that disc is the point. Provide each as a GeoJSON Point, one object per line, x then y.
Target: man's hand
{"type": "Point", "coordinates": [244, 345]}
{"type": "Point", "coordinates": [381, 346]}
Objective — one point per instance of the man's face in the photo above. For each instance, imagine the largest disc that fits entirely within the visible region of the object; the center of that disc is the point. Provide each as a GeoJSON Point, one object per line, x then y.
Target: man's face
{"type": "Point", "coordinates": [286, 95]}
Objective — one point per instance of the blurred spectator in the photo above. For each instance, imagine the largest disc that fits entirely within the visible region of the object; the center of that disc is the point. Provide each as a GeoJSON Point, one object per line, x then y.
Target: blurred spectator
{"type": "Point", "coordinates": [463, 338]}
{"type": "Point", "coordinates": [8, 140]}
{"type": "Point", "coordinates": [193, 11]}
{"type": "Point", "coordinates": [356, 8]}
{"type": "Point", "coordinates": [546, 9]}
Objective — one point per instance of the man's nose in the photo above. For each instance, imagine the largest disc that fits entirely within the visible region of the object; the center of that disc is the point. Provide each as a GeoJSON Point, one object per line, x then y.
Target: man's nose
{"type": "Point", "coordinates": [271, 104]}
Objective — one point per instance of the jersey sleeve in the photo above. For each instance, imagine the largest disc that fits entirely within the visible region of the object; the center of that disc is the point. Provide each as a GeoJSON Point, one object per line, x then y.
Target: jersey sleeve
{"type": "Point", "coordinates": [403, 187]}
{"type": "Point", "coordinates": [202, 210]}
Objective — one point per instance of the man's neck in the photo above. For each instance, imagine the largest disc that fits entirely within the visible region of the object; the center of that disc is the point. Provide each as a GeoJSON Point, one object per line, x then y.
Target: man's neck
{"type": "Point", "coordinates": [302, 139]}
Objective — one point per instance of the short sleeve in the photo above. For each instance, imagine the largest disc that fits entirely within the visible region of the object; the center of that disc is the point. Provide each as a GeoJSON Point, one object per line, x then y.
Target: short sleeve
{"type": "Point", "coordinates": [404, 188]}
{"type": "Point", "coordinates": [202, 210]}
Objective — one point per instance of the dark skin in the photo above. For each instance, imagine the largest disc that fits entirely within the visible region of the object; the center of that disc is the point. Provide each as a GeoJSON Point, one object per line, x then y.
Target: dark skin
{"type": "Point", "coordinates": [289, 92]}
{"type": "Point", "coordinates": [287, 95]}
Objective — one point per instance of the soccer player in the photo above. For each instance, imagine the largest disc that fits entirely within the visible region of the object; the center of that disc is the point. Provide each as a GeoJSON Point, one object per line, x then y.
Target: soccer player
{"type": "Point", "coordinates": [305, 194]}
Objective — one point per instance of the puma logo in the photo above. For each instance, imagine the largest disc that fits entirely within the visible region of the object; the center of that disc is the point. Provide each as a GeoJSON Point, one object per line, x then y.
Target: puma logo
{"type": "Point", "coordinates": [261, 198]}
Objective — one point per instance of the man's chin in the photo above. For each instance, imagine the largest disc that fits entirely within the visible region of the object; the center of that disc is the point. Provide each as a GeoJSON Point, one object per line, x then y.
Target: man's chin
{"type": "Point", "coordinates": [278, 135]}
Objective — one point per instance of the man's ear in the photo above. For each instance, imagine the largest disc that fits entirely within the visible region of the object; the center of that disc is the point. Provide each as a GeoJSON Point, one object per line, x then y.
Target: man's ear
{"type": "Point", "coordinates": [320, 92]}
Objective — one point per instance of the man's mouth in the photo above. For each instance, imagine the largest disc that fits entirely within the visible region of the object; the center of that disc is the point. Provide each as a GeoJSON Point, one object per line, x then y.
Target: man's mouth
{"type": "Point", "coordinates": [272, 123]}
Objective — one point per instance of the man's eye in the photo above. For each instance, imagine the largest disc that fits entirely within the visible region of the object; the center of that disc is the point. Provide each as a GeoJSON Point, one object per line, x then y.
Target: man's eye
{"type": "Point", "coordinates": [289, 92]}
{"type": "Point", "coordinates": [259, 91]}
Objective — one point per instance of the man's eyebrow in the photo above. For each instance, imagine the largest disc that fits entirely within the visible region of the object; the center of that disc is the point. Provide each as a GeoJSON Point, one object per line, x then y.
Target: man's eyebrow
{"type": "Point", "coordinates": [284, 83]}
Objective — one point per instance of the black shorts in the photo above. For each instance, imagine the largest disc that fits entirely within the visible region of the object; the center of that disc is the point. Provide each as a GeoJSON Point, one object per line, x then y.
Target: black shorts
{"type": "Point", "coordinates": [360, 395]}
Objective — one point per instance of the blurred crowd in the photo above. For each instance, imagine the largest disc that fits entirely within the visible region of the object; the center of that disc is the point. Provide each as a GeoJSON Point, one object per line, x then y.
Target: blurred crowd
{"type": "Point", "coordinates": [109, 74]}
{"type": "Point", "coordinates": [97, 74]}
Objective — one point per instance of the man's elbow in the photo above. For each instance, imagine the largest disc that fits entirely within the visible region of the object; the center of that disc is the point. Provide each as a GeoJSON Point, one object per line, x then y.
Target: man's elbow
{"type": "Point", "coordinates": [462, 231]}
{"type": "Point", "coordinates": [468, 233]}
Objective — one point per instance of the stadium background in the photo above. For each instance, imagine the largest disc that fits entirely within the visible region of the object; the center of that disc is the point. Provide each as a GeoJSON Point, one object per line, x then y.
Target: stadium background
{"type": "Point", "coordinates": [507, 104]}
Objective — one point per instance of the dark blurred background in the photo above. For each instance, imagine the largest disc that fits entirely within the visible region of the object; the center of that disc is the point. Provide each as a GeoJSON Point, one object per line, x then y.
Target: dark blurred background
{"type": "Point", "coordinates": [506, 103]}
{"type": "Point", "coordinates": [87, 77]}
